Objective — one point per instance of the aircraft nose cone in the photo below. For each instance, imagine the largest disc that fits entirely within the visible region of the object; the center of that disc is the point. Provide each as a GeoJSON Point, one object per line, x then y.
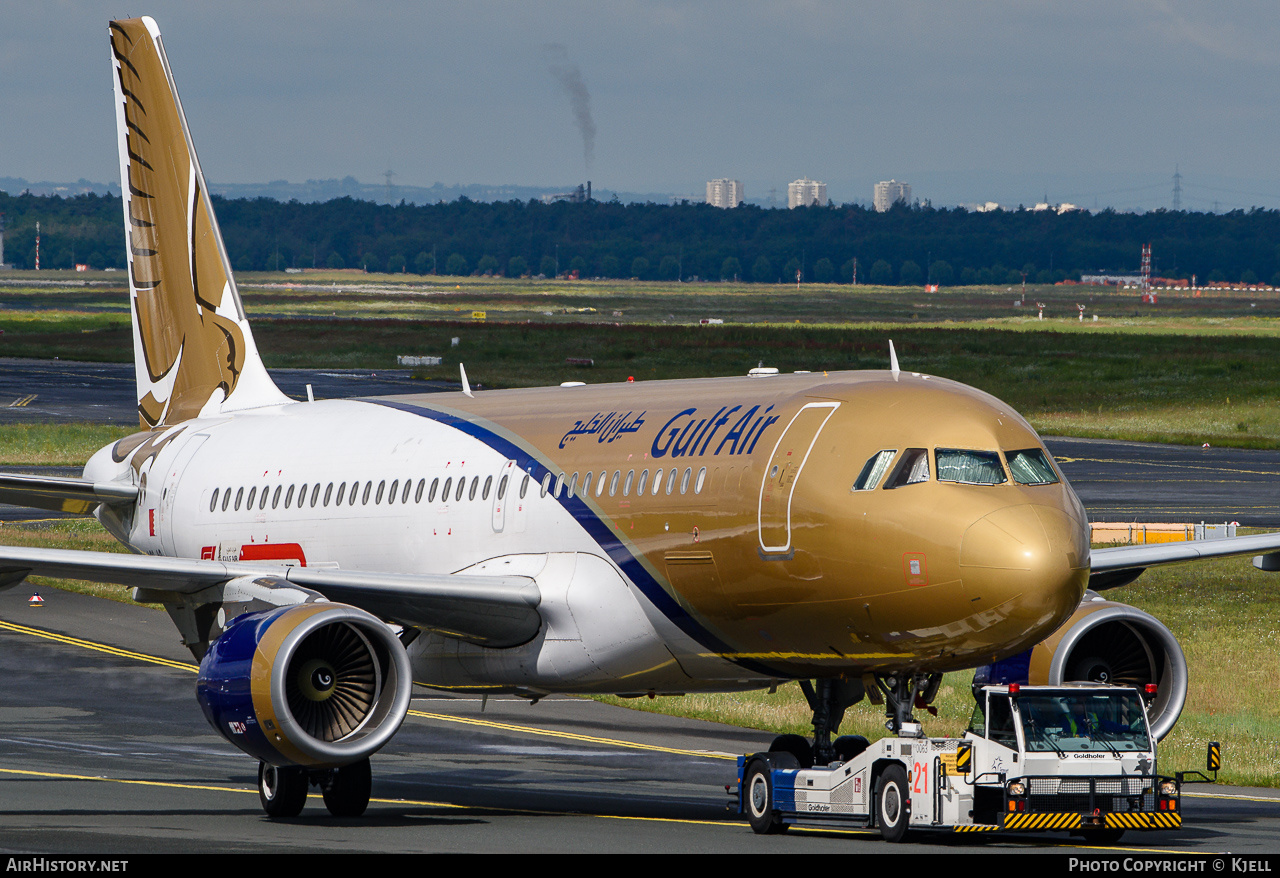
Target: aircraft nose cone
{"type": "Point", "coordinates": [1027, 560]}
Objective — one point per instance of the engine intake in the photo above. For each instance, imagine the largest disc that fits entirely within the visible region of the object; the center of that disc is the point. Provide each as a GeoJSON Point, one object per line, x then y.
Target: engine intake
{"type": "Point", "coordinates": [1109, 642]}
{"type": "Point", "coordinates": [1105, 642]}
{"type": "Point", "coordinates": [314, 685]}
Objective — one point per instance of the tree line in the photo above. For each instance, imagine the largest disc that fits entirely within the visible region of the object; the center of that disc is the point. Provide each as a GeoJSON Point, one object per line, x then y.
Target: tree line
{"type": "Point", "coordinates": [905, 245]}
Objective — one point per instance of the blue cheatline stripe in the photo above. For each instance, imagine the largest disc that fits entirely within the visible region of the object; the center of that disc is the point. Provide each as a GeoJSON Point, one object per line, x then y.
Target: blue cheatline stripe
{"type": "Point", "coordinates": [598, 528]}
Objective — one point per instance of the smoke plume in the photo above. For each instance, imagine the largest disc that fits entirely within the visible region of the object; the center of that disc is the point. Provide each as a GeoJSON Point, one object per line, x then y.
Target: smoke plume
{"type": "Point", "coordinates": [571, 82]}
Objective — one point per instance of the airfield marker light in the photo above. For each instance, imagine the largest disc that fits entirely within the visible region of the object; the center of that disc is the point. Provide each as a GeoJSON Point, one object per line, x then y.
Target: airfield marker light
{"type": "Point", "coordinates": [631, 379]}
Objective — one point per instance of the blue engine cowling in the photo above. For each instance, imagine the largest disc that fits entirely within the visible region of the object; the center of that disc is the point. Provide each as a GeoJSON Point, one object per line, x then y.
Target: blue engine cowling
{"type": "Point", "coordinates": [315, 685]}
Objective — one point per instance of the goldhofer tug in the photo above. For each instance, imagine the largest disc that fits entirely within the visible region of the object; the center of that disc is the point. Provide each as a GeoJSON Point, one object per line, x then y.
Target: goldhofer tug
{"type": "Point", "coordinates": [1078, 758]}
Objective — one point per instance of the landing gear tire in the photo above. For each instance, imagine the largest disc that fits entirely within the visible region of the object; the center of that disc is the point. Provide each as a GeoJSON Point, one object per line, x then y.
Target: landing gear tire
{"type": "Point", "coordinates": [346, 794]}
{"type": "Point", "coordinates": [282, 791]}
{"type": "Point", "coordinates": [797, 746]}
{"type": "Point", "coordinates": [758, 793]}
{"type": "Point", "coordinates": [893, 804]}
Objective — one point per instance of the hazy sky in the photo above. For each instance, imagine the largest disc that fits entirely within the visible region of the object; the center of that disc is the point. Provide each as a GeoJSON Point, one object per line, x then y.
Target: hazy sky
{"type": "Point", "coordinates": [1090, 101]}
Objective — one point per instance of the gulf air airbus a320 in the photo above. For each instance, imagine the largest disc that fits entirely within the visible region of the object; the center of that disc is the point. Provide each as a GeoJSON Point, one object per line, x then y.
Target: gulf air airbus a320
{"type": "Point", "coordinates": [861, 532]}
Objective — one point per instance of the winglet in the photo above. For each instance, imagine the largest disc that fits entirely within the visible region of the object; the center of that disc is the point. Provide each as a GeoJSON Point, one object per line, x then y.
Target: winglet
{"type": "Point", "coordinates": [893, 360]}
{"type": "Point", "coordinates": [466, 385]}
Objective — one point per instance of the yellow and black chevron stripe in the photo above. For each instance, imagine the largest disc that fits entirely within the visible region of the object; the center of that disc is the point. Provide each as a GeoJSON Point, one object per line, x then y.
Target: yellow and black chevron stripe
{"type": "Point", "coordinates": [1154, 820]}
{"type": "Point", "coordinates": [1041, 821]}
{"type": "Point", "coordinates": [977, 827]}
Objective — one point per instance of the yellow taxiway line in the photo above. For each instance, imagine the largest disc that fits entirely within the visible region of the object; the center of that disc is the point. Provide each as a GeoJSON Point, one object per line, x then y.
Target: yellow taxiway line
{"type": "Point", "coordinates": [443, 717]}
{"type": "Point", "coordinates": [568, 736]}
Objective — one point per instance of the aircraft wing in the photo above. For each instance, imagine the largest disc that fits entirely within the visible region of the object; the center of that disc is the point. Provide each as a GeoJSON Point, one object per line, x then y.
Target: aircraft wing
{"type": "Point", "coordinates": [493, 610]}
{"type": "Point", "coordinates": [1120, 565]}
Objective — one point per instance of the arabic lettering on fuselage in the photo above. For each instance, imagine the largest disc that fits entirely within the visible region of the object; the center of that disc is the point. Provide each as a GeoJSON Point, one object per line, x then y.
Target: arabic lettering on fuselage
{"type": "Point", "coordinates": [604, 427]}
{"type": "Point", "coordinates": [685, 434]}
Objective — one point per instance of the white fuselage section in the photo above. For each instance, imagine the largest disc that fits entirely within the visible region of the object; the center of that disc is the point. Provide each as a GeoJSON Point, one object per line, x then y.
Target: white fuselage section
{"type": "Point", "coordinates": [362, 486]}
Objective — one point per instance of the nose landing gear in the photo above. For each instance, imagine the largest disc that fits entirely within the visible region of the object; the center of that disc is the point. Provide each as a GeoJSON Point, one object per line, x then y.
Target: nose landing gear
{"type": "Point", "coordinates": [829, 698]}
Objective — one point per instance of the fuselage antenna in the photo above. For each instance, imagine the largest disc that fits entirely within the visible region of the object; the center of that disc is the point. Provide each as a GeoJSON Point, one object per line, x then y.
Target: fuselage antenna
{"type": "Point", "coordinates": [466, 385]}
{"type": "Point", "coordinates": [893, 360]}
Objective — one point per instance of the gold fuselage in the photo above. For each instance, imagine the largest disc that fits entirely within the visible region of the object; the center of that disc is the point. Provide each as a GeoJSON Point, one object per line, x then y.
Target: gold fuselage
{"type": "Point", "coordinates": [776, 562]}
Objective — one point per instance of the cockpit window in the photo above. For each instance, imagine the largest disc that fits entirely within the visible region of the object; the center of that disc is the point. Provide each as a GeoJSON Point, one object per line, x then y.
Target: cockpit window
{"type": "Point", "coordinates": [912, 468]}
{"type": "Point", "coordinates": [873, 471]}
{"type": "Point", "coordinates": [1030, 467]}
{"type": "Point", "coordinates": [970, 467]}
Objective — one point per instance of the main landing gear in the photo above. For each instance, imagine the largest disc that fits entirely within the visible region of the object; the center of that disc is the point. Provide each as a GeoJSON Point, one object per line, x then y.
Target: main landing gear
{"type": "Point", "coordinates": [283, 791]}
{"type": "Point", "coordinates": [829, 698]}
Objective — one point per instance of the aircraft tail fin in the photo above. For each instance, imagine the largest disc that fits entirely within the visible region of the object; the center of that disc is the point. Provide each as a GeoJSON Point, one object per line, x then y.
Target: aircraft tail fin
{"type": "Point", "coordinates": [193, 351]}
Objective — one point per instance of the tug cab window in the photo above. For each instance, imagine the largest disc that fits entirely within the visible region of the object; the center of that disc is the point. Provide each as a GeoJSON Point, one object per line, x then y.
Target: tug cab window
{"type": "Point", "coordinates": [1030, 467]}
{"type": "Point", "coordinates": [970, 467]}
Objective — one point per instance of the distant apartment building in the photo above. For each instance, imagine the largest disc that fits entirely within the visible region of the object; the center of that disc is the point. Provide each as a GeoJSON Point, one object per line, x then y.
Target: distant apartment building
{"type": "Point", "coordinates": [724, 193]}
{"type": "Point", "coordinates": [890, 192]}
{"type": "Point", "coordinates": [806, 192]}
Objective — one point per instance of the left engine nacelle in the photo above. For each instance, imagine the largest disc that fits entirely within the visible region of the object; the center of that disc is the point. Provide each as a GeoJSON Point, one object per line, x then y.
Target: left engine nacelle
{"type": "Point", "coordinates": [314, 685]}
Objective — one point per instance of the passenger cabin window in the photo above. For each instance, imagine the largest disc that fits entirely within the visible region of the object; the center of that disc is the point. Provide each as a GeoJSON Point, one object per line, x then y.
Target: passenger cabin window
{"type": "Point", "coordinates": [970, 467]}
{"type": "Point", "coordinates": [873, 470]}
{"type": "Point", "coordinates": [912, 469]}
{"type": "Point", "coordinates": [1030, 467]}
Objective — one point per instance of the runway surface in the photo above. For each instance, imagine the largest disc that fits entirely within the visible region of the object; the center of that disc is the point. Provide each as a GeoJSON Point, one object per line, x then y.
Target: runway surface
{"type": "Point", "coordinates": [104, 750]}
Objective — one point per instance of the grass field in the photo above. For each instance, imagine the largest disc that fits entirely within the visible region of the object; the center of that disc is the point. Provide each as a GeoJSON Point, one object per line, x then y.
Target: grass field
{"type": "Point", "coordinates": [1189, 370]}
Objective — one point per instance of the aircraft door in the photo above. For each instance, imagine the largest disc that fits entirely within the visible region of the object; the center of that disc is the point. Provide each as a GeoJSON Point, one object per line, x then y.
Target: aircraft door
{"type": "Point", "coordinates": [783, 470]}
{"type": "Point", "coordinates": [508, 485]}
{"type": "Point", "coordinates": [172, 475]}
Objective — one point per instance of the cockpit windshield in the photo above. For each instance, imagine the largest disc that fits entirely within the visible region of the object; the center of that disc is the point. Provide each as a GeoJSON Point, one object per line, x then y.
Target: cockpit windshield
{"type": "Point", "coordinates": [970, 467]}
{"type": "Point", "coordinates": [1030, 467]}
{"type": "Point", "coordinates": [1080, 722]}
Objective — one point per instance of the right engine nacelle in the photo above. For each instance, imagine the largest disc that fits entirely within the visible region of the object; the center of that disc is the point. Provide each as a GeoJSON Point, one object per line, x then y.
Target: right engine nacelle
{"type": "Point", "coordinates": [1106, 642]}
{"type": "Point", "coordinates": [315, 685]}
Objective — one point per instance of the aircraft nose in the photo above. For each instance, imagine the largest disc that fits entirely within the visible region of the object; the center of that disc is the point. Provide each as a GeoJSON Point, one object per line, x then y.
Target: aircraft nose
{"type": "Point", "coordinates": [1030, 559]}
